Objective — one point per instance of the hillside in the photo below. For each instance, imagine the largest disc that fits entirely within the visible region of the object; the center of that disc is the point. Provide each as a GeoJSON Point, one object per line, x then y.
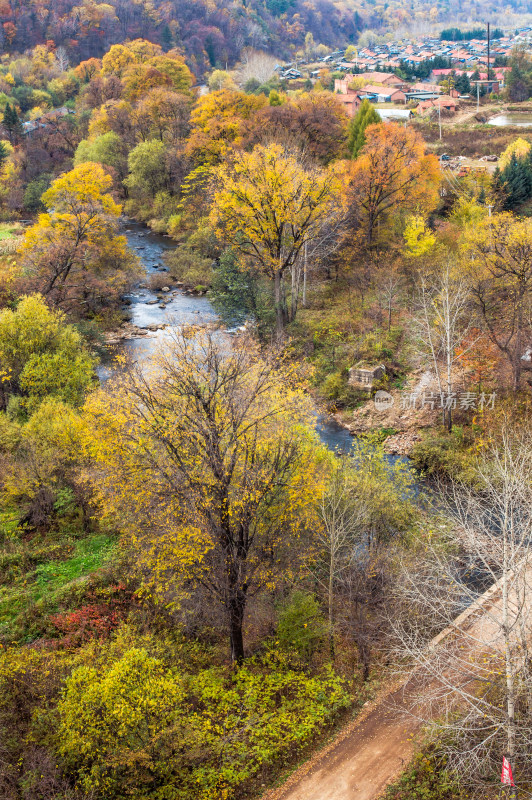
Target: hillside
{"type": "Point", "coordinates": [265, 403]}
{"type": "Point", "coordinates": [215, 34]}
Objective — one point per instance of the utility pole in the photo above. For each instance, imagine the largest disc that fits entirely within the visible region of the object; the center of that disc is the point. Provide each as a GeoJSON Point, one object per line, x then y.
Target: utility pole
{"type": "Point", "coordinates": [439, 116]}
{"type": "Point", "coordinates": [478, 95]}
{"type": "Point", "coordinates": [488, 52]}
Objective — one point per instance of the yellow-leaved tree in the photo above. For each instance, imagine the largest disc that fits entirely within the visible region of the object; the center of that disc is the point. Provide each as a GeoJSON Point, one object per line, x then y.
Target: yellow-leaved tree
{"type": "Point", "coordinates": [419, 239]}
{"type": "Point", "coordinates": [498, 261]}
{"type": "Point", "coordinates": [73, 255]}
{"type": "Point", "coordinates": [210, 466]}
{"type": "Point", "coordinates": [519, 148]}
{"type": "Point", "coordinates": [269, 206]}
{"type": "Point", "coordinates": [220, 122]}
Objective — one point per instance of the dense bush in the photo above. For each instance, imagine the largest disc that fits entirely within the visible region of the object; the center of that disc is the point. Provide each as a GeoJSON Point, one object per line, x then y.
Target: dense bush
{"type": "Point", "coordinates": [426, 779]}
{"type": "Point", "coordinates": [131, 722]}
{"type": "Point", "coordinates": [446, 455]}
{"type": "Point", "coordinates": [189, 266]}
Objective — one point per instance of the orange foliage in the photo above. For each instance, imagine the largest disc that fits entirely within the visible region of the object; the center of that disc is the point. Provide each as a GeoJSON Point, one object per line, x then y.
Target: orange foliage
{"type": "Point", "coordinates": [393, 171]}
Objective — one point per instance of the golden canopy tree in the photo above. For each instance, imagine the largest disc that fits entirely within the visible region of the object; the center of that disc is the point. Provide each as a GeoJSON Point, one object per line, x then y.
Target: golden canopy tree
{"type": "Point", "coordinates": [268, 206]}
{"type": "Point", "coordinates": [161, 71]}
{"type": "Point", "coordinates": [163, 113]}
{"type": "Point", "coordinates": [73, 253]}
{"type": "Point", "coordinates": [120, 57]}
{"type": "Point", "coordinates": [392, 171]}
{"type": "Point", "coordinates": [220, 121]}
{"type": "Point", "coordinates": [117, 59]}
{"type": "Point", "coordinates": [209, 465]}
{"type": "Point", "coordinates": [498, 259]}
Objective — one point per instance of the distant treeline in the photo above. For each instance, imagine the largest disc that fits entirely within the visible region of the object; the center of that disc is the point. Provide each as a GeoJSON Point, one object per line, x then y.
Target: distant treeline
{"type": "Point", "coordinates": [423, 69]}
{"type": "Point", "coordinates": [456, 35]}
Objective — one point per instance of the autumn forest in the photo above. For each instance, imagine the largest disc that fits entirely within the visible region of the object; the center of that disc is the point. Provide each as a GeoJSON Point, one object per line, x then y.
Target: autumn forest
{"type": "Point", "coordinates": [265, 409]}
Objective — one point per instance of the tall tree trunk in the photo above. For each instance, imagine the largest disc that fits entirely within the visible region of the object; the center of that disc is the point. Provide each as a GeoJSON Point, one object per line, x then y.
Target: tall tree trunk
{"type": "Point", "coordinates": [518, 351]}
{"type": "Point", "coordinates": [331, 609]}
{"type": "Point", "coordinates": [369, 232]}
{"type": "Point", "coordinates": [279, 315]}
{"type": "Point", "coordinates": [237, 605]}
{"type": "Point", "coordinates": [365, 659]}
{"type": "Point", "coordinates": [506, 627]}
{"type": "Point", "coordinates": [305, 277]}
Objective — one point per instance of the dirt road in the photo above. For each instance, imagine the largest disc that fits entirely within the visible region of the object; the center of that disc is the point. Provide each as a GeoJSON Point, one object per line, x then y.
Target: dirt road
{"type": "Point", "coordinates": [362, 759]}
{"type": "Point", "coordinates": [370, 752]}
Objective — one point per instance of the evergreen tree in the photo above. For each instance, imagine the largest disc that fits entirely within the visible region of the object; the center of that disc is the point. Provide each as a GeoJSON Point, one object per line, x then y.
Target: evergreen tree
{"type": "Point", "coordinates": [514, 182]}
{"type": "Point", "coordinates": [366, 115]}
{"type": "Point", "coordinates": [166, 38]}
{"type": "Point", "coordinates": [518, 89]}
{"type": "Point", "coordinates": [11, 122]}
{"type": "Point", "coordinates": [3, 154]}
{"type": "Point", "coordinates": [463, 84]}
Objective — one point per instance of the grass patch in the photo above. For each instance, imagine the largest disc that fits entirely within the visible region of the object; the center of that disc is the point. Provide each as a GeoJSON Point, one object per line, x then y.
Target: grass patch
{"type": "Point", "coordinates": [8, 230]}
{"type": "Point", "coordinates": [90, 555]}
{"type": "Point", "coordinates": [40, 577]}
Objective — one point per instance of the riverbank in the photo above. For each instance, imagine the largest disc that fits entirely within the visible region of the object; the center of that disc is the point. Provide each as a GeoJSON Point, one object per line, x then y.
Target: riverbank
{"type": "Point", "coordinates": [153, 310]}
{"type": "Point", "coordinates": [401, 419]}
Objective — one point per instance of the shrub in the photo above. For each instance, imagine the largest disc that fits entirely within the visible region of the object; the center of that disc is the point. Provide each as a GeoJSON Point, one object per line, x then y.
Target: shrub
{"type": "Point", "coordinates": [136, 727]}
{"type": "Point", "coordinates": [189, 266]}
{"type": "Point", "coordinates": [446, 455]}
{"type": "Point", "coordinates": [425, 779]}
{"type": "Point", "coordinates": [116, 726]}
{"type": "Point", "coordinates": [301, 625]}
{"type": "Point", "coordinates": [336, 389]}
{"type": "Point", "coordinates": [35, 190]}
{"type": "Point", "coordinates": [233, 291]}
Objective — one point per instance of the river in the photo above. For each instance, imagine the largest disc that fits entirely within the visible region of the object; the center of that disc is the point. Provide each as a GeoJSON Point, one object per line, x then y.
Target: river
{"type": "Point", "coordinates": [182, 309]}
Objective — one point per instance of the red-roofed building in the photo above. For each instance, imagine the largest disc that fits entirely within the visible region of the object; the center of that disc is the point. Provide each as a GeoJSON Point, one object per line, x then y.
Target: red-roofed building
{"type": "Point", "coordinates": [444, 102]}
{"type": "Point", "coordinates": [350, 103]}
{"type": "Point", "coordinates": [386, 78]}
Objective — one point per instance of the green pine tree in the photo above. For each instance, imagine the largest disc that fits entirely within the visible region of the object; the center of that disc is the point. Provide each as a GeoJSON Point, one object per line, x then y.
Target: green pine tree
{"type": "Point", "coordinates": [463, 84]}
{"type": "Point", "coordinates": [366, 115]}
{"type": "Point", "coordinates": [515, 182]}
{"type": "Point", "coordinates": [3, 154]}
{"type": "Point", "coordinates": [11, 122]}
{"type": "Point", "coordinates": [166, 37]}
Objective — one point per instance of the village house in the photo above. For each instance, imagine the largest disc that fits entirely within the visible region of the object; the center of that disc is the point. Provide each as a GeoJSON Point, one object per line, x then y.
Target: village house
{"type": "Point", "coordinates": [384, 78]}
{"type": "Point", "coordinates": [490, 86]}
{"type": "Point", "coordinates": [44, 120]}
{"type": "Point", "coordinates": [444, 102]}
{"type": "Point", "coordinates": [341, 85]}
{"type": "Point", "coordinates": [350, 102]}
{"type": "Point", "coordinates": [426, 87]}
{"type": "Point", "coordinates": [382, 94]}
